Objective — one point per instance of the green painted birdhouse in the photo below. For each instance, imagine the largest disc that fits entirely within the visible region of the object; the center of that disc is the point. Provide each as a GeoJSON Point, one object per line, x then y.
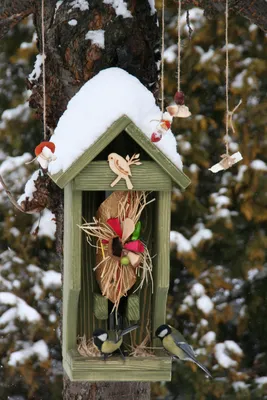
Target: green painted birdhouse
{"type": "Point", "coordinates": [86, 305]}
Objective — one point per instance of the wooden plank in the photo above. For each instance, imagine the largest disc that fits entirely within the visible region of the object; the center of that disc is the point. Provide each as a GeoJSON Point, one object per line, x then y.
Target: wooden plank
{"type": "Point", "coordinates": [133, 307]}
{"type": "Point", "coordinates": [98, 176]}
{"type": "Point", "coordinates": [176, 175]}
{"type": "Point", "coordinates": [139, 369]}
{"type": "Point", "coordinates": [162, 260]}
{"type": "Point", "coordinates": [72, 264]}
{"type": "Point", "coordinates": [62, 178]}
{"type": "Point", "coordinates": [100, 306]}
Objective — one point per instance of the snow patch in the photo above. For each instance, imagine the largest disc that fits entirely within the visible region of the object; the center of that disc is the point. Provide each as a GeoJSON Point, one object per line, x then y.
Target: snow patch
{"type": "Point", "coordinates": [239, 386]}
{"type": "Point", "coordinates": [97, 37]}
{"type": "Point", "coordinates": [30, 187]}
{"type": "Point", "coordinates": [206, 56]}
{"type": "Point", "coordinates": [21, 309]}
{"type": "Point", "coordinates": [81, 4]}
{"type": "Point", "coordinates": [73, 22]}
{"type": "Point", "coordinates": [182, 244]}
{"type": "Point", "coordinates": [152, 6]}
{"type": "Point", "coordinates": [261, 381]}
{"type": "Point", "coordinates": [201, 236]}
{"type": "Point", "coordinates": [47, 225]}
{"type": "Point", "coordinates": [205, 304]}
{"type": "Point", "coordinates": [222, 353]}
{"type": "Point", "coordinates": [36, 72]}
{"type": "Point", "coordinates": [51, 279]}
{"type": "Point", "coordinates": [38, 349]}
{"type": "Point", "coordinates": [12, 163]}
{"type": "Point", "coordinates": [197, 290]}
{"type": "Point", "coordinates": [259, 165]}
{"type": "Point", "coordinates": [170, 54]}
{"type": "Point", "coordinates": [127, 97]}
{"type": "Point", "coordinates": [208, 338]}
{"type": "Point", "coordinates": [120, 7]}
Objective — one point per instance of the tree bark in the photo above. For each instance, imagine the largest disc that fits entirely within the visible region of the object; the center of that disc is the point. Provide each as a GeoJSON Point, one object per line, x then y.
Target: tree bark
{"type": "Point", "coordinates": [106, 390]}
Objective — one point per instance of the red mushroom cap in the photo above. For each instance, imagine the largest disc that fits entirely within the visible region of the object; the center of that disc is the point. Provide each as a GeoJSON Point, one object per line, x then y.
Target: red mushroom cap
{"type": "Point", "coordinates": [38, 149]}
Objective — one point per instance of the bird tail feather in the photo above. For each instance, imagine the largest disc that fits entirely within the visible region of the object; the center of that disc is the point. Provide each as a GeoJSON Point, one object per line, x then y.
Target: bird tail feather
{"type": "Point", "coordinates": [129, 329]}
{"type": "Point", "coordinates": [202, 367]}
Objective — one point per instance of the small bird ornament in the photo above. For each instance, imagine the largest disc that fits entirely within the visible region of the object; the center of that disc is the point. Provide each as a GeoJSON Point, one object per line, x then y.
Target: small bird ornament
{"type": "Point", "coordinates": [175, 344]}
{"type": "Point", "coordinates": [121, 167]}
{"type": "Point", "coordinates": [108, 346]}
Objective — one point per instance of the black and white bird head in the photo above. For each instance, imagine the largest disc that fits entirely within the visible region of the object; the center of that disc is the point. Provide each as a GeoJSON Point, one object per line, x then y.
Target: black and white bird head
{"type": "Point", "coordinates": [100, 335]}
{"type": "Point", "coordinates": [163, 330]}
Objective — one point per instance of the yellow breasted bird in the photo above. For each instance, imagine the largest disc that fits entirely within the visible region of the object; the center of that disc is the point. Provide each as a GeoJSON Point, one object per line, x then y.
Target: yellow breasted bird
{"type": "Point", "coordinates": [107, 345]}
{"type": "Point", "coordinates": [175, 344]}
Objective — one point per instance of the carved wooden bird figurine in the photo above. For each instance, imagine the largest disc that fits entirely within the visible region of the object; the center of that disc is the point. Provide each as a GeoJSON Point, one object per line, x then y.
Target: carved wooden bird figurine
{"type": "Point", "coordinates": [121, 168]}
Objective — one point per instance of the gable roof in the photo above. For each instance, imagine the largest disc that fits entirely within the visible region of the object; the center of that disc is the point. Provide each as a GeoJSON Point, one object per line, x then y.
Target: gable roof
{"type": "Point", "coordinates": [123, 123]}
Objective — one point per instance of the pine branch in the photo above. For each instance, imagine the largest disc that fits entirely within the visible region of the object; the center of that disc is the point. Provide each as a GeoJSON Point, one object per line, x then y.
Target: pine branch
{"type": "Point", "coordinates": [12, 12]}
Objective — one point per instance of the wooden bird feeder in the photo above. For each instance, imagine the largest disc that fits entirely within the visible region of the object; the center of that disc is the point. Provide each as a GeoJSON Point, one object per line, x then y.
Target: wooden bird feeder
{"type": "Point", "coordinates": [86, 184]}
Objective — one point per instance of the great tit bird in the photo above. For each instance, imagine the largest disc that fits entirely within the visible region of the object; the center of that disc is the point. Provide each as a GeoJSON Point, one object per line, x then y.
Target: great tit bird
{"type": "Point", "coordinates": [175, 344]}
{"type": "Point", "coordinates": [108, 346]}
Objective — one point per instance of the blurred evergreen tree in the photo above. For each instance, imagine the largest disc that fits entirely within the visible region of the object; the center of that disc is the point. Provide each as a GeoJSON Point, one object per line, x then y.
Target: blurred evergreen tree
{"type": "Point", "coordinates": [218, 256]}
{"type": "Point", "coordinates": [29, 278]}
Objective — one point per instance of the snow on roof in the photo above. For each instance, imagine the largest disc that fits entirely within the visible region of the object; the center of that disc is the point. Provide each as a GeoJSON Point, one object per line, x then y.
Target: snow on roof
{"type": "Point", "coordinates": [101, 101]}
{"type": "Point", "coordinates": [38, 349]}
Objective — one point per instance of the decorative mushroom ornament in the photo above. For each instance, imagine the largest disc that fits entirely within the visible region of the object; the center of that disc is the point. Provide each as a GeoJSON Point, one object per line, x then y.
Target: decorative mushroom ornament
{"type": "Point", "coordinates": [45, 153]}
{"type": "Point", "coordinates": [179, 109]}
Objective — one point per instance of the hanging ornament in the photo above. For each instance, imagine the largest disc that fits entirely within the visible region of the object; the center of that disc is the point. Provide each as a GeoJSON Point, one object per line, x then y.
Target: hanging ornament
{"type": "Point", "coordinates": [162, 127]}
{"type": "Point", "coordinates": [227, 160]}
{"type": "Point", "coordinates": [45, 153]}
{"type": "Point", "coordinates": [178, 108]}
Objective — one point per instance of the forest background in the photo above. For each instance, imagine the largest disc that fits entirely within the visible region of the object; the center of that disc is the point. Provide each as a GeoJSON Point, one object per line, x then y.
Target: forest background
{"type": "Point", "coordinates": [218, 241]}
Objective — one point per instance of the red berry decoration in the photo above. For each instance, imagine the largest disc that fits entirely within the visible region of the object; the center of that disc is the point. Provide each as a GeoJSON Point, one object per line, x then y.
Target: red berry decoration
{"type": "Point", "coordinates": [179, 98]}
{"type": "Point", "coordinates": [155, 137]}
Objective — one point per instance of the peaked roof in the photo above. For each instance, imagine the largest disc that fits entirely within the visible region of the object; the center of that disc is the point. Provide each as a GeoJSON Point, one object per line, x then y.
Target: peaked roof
{"type": "Point", "coordinates": [123, 123]}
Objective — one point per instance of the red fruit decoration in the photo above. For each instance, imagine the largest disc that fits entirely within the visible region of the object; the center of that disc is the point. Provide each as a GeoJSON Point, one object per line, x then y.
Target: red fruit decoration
{"type": "Point", "coordinates": [179, 98]}
{"type": "Point", "coordinates": [155, 137]}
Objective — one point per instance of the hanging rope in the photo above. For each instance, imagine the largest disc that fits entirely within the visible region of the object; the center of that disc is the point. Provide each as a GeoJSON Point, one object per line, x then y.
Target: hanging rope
{"type": "Point", "coordinates": [179, 46]}
{"type": "Point", "coordinates": [162, 54]}
{"type": "Point", "coordinates": [227, 80]}
{"type": "Point", "coordinates": [43, 59]}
